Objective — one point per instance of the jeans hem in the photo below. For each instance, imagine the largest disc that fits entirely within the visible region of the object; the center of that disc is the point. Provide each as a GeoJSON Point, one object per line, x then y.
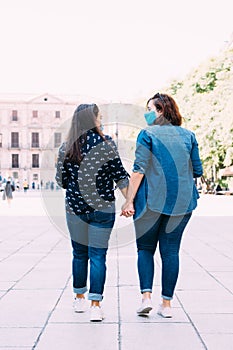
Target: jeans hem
{"type": "Point", "coordinates": [146, 290]}
{"type": "Point", "coordinates": [80, 290]}
{"type": "Point", "coordinates": [95, 296]}
{"type": "Point", "coordinates": [166, 298]}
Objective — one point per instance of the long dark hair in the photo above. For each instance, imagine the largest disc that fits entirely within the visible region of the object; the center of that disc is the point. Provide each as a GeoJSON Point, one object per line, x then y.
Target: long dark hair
{"type": "Point", "coordinates": [169, 108]}
{"type": "Point", "coordinates": [84, 119]}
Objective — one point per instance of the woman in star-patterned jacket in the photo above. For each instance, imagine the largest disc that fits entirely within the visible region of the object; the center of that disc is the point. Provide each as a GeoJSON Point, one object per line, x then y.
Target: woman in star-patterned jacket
{"type": "Point", "coordinates": [88, 167]}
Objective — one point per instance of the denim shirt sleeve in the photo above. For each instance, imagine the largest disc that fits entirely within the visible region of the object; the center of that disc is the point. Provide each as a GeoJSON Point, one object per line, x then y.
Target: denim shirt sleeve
{"type": "Point", "coordinates": [142, 153]}
{"type": "Point", "coordinates": [195, 158]}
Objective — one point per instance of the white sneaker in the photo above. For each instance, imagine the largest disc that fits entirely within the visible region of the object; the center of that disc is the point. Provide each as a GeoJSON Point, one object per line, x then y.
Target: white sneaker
{"type": "Point", "coordinates": [165, 311]}
{"type": "Point", "coordinates": [80, 305]}
{"type": "Point", "coordinates": [145, 307]}
{"type": "Point", "coordinates": [96, 314]}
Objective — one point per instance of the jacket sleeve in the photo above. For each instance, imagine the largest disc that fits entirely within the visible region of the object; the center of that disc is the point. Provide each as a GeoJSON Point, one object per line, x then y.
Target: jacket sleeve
{"type": "Point", "coordinates": [61, 171]}
{"type": "Point", "coordinates": [195, 158]}
{"type": "Point", "coordinates": [118, 173]}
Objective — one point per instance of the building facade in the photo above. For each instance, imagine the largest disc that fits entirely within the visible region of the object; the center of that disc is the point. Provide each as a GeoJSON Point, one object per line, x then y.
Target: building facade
{"type": "Point", "coordinates": [31, 130]}
{"type": "Point", "coordinates": [33, 127]}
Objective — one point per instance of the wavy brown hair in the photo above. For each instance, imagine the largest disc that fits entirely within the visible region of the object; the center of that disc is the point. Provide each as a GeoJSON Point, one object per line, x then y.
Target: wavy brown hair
{"type": "Point", "coordinates": [84, 119]}
{"type": "Point", "coordinates": [169, 108]}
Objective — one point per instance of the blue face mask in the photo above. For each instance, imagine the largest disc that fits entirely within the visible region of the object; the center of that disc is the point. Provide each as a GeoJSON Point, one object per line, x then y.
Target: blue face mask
{"type": "Point", "coordinates": [150, 117]}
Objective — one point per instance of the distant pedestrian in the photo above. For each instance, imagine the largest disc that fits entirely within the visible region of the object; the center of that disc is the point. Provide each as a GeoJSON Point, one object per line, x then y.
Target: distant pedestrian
{"type": "Point", "coordinates": [17, 185]}
{"type": "Point", "coordinates": [25, 186]}
{"type": "Point", "coordinates": [9, 188]}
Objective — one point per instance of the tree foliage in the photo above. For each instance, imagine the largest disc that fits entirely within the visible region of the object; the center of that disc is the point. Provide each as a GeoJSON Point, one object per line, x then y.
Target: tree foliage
{"type": "Point", "coordinates": [205, 98]}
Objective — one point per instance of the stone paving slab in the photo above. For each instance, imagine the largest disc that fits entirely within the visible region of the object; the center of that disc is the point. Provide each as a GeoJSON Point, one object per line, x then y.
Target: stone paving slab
{"type": "Point", "coordinates": [225, 278]}
{"type": "Point", "coordinates": [213, 302]}
{"type": "Point", "coordinates": [79, 336]}
{"type": "Point", "coordinates": [188, 281]}
{"type": "Point", "coordinates": [18, 337]}
{"type": "Point", "coordinates": [166, 336]}
{"type": "Point", "coordinates": [36, 287]}
{"type": "Point", "coordinates": [206, 323]}
{"type": "Point", "coordinates": [218, 341]}
{"type": "Point", "coordinates": [27, 308]}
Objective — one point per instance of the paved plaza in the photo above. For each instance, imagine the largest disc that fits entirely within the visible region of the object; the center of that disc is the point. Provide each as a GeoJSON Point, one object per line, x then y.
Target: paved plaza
{"type": "Point", "coordinates": [36, 286]}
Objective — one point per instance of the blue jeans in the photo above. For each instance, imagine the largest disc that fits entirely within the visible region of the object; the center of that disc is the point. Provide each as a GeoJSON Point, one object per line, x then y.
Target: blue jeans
{"type": "Point", "coordinates": [90, 234]}
{"type": "Point", "coordinates": [151, 228]}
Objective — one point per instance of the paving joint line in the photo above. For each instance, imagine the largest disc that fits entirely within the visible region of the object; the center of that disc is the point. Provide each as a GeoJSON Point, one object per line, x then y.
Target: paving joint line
{"type": "Point", "coordinates": [221, 284]}
{"type": "Point", "coordinates": [50, 314]}
{"type": "Point", "coordinates": [23, 246]}
{"type": "Point", "coordinates": [191, 322]}
{"type": "Point", "coordinates": [30, 270]}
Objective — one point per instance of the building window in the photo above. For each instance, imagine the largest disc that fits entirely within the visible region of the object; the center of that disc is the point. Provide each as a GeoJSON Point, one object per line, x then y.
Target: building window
{"type": "Point", "coordinates": [57, 139]}
{"type": "Point", "coordinates": [14, 116]}
{"type": "Point", "coordinates": [35, 160]}
{"type": "Point", "coordinates": [0, 140]}
{"type": "Point", "coordinates": [14, 139]}
{"type": "Point", "coordinates": [15, 161]}
{"type": "Point", "coordinates": [35, 114]}
{"type": "Point", "coordinates": [57, 114]}
{"type": "Point", "coordinates": [35, 139]}
{"type": "Point", "coordinates": [35, 177]}
{"type": "Point", "coordinates": [15, 175]}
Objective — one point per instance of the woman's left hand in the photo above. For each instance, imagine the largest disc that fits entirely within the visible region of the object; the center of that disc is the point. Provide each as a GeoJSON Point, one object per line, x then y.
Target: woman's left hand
{"type": "Point", "coordinates": [127, 210]}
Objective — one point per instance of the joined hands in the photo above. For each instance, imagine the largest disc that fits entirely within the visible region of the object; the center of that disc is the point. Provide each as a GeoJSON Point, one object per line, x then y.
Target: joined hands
{"type": "Point", "coordinates": [127, 210]}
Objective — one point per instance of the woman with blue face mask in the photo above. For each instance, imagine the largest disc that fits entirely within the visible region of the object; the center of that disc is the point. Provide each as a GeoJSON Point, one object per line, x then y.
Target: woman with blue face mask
{"type": "Point", "coordinates": [161, 196]}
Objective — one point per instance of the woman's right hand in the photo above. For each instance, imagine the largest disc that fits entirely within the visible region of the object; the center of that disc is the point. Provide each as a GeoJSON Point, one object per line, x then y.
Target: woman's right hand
{"type": "Point", "coordinates": [127, 209]}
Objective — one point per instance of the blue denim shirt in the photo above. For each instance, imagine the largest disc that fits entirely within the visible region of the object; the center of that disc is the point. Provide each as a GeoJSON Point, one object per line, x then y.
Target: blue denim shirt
{"type": "Point", "coordinates": [168, 156]}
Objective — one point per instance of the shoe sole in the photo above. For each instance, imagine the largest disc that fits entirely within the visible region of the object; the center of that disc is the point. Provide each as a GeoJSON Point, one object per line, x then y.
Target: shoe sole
{"type": "Point", "coordinates": [160, 314]}
{"type": "Point", "coordinates": [145, 314]}
{"type": "Point", "coordinates": [99, 320]}
{"type": "Point", "coordinates": [79, 312]}
{"type": "Point", "coordinates": [145, 311]}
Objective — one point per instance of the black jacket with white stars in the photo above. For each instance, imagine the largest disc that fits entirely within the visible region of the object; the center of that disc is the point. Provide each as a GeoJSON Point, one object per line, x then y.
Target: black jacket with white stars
{"type": "Point", "coordinates": [90, 184]}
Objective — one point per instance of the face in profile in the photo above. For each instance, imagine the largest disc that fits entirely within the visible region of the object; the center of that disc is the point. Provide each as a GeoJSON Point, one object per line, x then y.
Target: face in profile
{"type": "Point", "coordinates": [151, 106]}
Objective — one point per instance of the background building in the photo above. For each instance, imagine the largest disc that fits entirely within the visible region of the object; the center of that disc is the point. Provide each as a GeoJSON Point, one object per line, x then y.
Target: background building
{"type": "Point", "coordinates": [31, 130]}
{"type": "Point", "coordinates": [33, 127]}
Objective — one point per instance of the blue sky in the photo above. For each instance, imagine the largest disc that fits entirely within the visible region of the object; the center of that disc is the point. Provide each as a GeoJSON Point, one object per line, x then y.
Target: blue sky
{"type": "Point", "coordinates": [115, 50]}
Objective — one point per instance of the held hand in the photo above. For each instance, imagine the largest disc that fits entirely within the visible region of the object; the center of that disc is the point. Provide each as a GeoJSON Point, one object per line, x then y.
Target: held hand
{"type": "Point", "coordinates": [127, 210]}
